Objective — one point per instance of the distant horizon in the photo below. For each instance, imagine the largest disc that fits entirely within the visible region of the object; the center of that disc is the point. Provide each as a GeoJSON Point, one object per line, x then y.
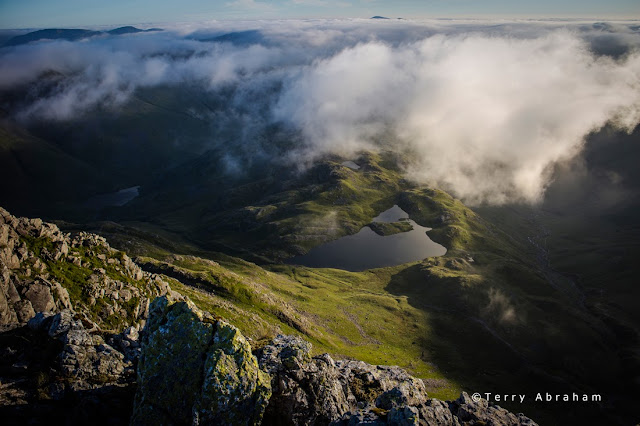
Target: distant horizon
{"type": "Point", "coordinates": [39, 14]}
{"type": "Point", "coordinates": [206, 22]}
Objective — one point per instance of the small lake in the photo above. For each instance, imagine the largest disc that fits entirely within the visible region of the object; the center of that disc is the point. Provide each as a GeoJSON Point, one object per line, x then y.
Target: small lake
{"type": "Point", "coordinates": [366, 249]}
{"type": "Point", "coordinates": [113, 199]}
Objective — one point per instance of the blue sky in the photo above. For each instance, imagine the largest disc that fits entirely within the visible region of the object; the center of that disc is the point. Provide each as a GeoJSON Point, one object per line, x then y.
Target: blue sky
{"type": "Point", "coordinates": [60, 13]}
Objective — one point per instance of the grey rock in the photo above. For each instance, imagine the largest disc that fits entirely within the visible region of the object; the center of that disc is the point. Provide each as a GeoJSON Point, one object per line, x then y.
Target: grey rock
{"type": "Point", "coordinates": [7, 312]}
{"type": "Point", "coordinates": [361, 418]}
{"type": "Point", "coordinates": [40, 321]}
{"type": "Point", "coordinates": [4, 234]}
{"type": "Point", "coordinates": [437, 413]}
{"type": "Point", "coordinates": [11, 292]}
{"type": "Point", "coordinates": [40, 297]}
{"type": "Point", "coordinates": [62, 250]}
{"type": "Point", "coordinates": [131, 334]}
{"type": "Point", "coordinates": [305, 390]}
{"type": "Point", "coordinates": [285, 352]}
{"type": "Point", "coordinates": [403, 416]}
{"type": "Point", "coordinates": [406, 393]}
{"type": "Point", "coordinates": [63, 301]}
{"type": "Point", "coordinates": [60, 324]}
{"type": "Point", "coordinates": [321, 391]}
{"type": "Point", "coordinates": [481, 412]}
{"type": "Point", "coordinates": [24, 311]}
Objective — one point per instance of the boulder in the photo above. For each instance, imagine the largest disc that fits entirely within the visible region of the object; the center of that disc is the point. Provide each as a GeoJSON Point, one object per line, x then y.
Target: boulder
{"type": "Point", "coordinates": [84, 362]}
{"type": "Point", "coordinates": [305, 390]}
{"type": "Point", "coordinates": [7, 312]}
{"type": "Point", "coordinates": [199, 370]}
{"type": "Point", "coordinates": [481, 412]}
{"type": "Point", "coordinates": [24, 311]}
{"type": "Point", "coordinates": [61, 295]}
{"type": "Point", "coordinates": [4, 234]}
{"type": "Point", "coordinates": [40, 297]}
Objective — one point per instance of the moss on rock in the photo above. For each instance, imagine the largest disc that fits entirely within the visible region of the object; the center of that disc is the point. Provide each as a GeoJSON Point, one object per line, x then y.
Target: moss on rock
{"type": "Point", "coordinates": [194, 370]}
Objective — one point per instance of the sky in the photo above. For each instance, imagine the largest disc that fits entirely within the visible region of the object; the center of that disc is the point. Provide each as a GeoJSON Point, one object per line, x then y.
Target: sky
{"type": "Point", "coordinates": [83, 13]}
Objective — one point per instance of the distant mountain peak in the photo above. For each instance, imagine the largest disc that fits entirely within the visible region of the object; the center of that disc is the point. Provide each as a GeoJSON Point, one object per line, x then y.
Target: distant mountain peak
{"type": "Point", "coordinates": [131, 30]}
{"type": "Point", "coordinates": [71, 34]}
{"type": "Point", "coordinates": [52, 34]}
{"type": "Point", "coordinates": [379, 17]}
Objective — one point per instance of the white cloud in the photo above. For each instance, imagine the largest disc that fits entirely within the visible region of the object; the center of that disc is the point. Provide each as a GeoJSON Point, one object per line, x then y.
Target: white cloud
{"type": "Point", "coordinates": [485, 109]}
{"type": "Point", "coordinates": [486, 116]}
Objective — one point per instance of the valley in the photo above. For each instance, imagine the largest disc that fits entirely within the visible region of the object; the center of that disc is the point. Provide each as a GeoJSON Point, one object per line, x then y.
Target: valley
{"type": "Point", "coordinates": [485, 315]}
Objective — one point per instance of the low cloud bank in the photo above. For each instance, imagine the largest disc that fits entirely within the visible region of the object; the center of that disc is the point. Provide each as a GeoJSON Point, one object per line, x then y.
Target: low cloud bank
{"type": "Point", "coordinates": [484, 110]}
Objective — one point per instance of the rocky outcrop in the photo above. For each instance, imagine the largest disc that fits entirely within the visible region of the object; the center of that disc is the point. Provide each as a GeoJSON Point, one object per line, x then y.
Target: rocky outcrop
{"type": "Point", "coordinates": [59, 369]}
{"type": "Point", "coordinates": [195, 369]}
{"type": "Point", "coordinates": [24, 285]}
{"type": "Point", "coordinates": [319, 391]}
{"type": "Point", "coordinates": [45, 270]}
{"type": "Point", "coordinates": [84, 303]}
{"type": "Point", "coordinates": [86, 360]}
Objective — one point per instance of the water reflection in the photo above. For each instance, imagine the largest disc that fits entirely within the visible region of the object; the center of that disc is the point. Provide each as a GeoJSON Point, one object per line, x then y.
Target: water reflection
{"type": "Point", "coordinates": [116, 199]}
{"type": "Point", "coordinates": [366, 249]}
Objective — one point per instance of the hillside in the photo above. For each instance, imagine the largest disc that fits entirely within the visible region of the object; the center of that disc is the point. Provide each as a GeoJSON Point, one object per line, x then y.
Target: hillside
{"type": "Point", "coordinates": [489, 291]}
{"type": "Point", "coordinates": [86, 304]}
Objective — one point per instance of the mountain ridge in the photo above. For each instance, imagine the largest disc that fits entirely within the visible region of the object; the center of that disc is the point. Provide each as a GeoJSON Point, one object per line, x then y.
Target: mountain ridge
{"type": "Point", "coordinates": [70, 34]}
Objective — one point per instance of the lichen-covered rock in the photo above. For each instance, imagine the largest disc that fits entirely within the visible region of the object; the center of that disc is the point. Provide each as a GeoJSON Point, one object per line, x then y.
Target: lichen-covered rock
{"type": "Point", "coordinates": [196, 370]}
{"type": "Point", "coordinates": [235, 390]}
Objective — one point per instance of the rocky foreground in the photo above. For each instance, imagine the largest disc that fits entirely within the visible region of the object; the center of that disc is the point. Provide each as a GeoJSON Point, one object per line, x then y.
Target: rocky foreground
{"type": "Point", "coordinates": [88, 337]}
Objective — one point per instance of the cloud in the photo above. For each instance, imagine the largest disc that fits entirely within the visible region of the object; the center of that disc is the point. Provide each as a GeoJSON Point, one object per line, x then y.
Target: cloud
{"type": "Point", "coordinates": [485, 109]}
{"type": "Point", "coordinates": [500, 308]}
{"type": "Point", "coordinates": [487, 116]}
